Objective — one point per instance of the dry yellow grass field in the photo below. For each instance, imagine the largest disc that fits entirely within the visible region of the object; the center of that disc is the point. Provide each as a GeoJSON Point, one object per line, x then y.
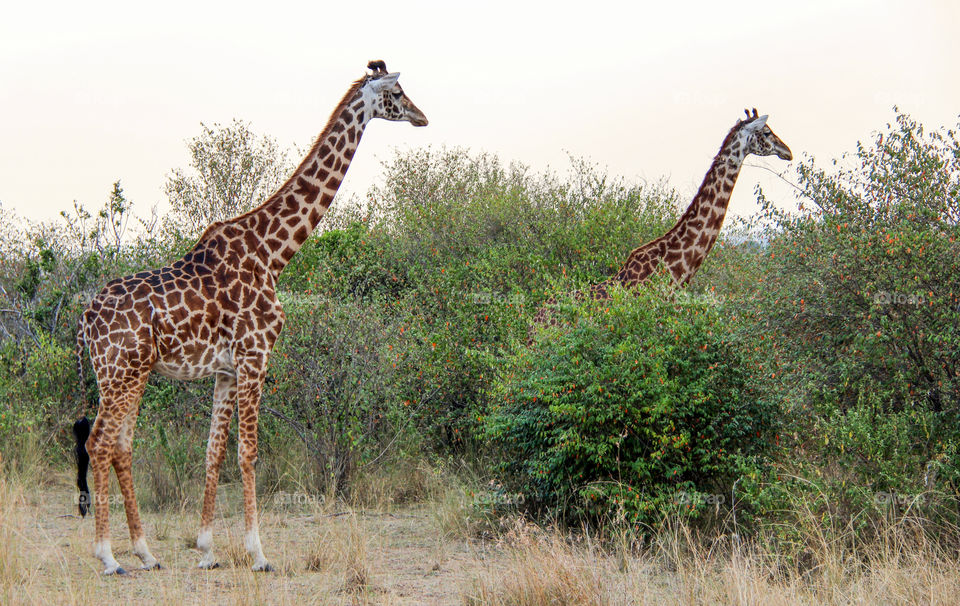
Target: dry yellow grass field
{"type": "Point", "coordinates": [424, 554]}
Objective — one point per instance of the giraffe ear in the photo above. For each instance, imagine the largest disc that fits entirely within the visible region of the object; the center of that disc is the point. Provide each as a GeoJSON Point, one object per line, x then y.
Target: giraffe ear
{"type": "Point", "coordinates": [385, 82]}
{"type": "Point", "coordinates": [757, 123]}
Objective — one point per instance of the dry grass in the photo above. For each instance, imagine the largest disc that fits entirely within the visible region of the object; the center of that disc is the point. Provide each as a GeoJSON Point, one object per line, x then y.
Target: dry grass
{"type": "Point", "coordinates": [13, 567]}
{"type": "Point", "coordinates": [329, 553]}
{"type": "Point", "coordinates": [455, 516]}
{"type": "Point", "coordinates": [324, 553]}
{"type": "Point", "coordinates": [544, 568]}
{"type": "Point", "coordinates": [400, 484]}
{"type": "Point", "coordinates": [345, 550]}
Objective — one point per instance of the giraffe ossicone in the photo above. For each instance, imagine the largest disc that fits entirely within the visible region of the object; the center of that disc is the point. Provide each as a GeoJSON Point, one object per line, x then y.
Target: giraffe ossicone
{"type": "Point", "coordinates": [684, 247]}
{"type": "Point", "coordinates": [213, 312]}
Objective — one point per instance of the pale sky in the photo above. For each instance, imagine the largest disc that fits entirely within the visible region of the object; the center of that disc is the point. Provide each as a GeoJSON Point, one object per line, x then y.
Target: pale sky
{"type": "Point", "coordinates": [92, 92]}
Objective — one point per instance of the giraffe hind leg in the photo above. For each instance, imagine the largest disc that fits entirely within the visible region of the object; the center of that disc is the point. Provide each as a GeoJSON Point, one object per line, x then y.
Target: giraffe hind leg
{"type": "Point", "coordinates": [118, 401]}
{"type": "Point", "coordinates": [100, 447]}
{"type": "Point", "coordinates": [123, 467]}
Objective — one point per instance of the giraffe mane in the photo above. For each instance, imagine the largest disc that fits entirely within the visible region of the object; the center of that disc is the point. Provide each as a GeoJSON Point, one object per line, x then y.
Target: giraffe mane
{"type": "Point", "coordinates": [277, 195]}
{"type": "Point", "coordinates": [334, 115]}
{"type": "Point", "coordinates": [713, 165]}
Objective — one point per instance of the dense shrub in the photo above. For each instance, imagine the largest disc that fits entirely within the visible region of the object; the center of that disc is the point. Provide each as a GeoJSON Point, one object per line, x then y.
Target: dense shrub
{"type": "Point", "coordinates": [864, 278]}
{"type": "Point", "coordinates": [857, 298]}
{"type": "Point", "coordinates": [458, 250]}
{"type": "Point", "coordinates": [643, 405]}
{"type": "Point", "coordinates": [516, 228]}
{"type": "Point", "coordinates": [335, 375]}
{"type": "Point", "coordinates": [480, 245]}
{"type": "Point", "coordinates": [36, 386]}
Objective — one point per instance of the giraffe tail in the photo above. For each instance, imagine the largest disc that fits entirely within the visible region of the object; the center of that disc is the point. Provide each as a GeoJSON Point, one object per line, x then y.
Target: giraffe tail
{"type": "Point", "coordinates": [81, 431]}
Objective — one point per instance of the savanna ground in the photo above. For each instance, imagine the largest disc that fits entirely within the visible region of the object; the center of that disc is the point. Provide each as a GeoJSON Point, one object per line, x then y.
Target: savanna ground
{"type": "Point", "coordinates": [785, 430]}
{"type": "Point", "coordinates": [429, 553]}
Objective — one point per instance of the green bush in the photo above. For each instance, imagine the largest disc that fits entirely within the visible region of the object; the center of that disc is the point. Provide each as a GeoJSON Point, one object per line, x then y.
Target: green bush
{"type": "Point", "coordinates": [864, 280]}
{"type": "Point", "coordinates": [352, 262]}
{"type": "Point", "coordinates": [475, 246]}
{"type": "Point", "coordinates": [334, 384]}
{"type": "Point", "coordinates": [38, 386]}
{"type": "Point", "coordinates": [859, 301]}
{"type": "Point", "coordinates": [642, 406]}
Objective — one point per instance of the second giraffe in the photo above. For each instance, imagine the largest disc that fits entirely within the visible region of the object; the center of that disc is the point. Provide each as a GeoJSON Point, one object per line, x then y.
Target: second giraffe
{"type": "Point", "coordinates": [683, 249]}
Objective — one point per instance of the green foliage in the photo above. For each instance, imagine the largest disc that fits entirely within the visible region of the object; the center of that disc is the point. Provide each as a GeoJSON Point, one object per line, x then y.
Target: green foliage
{"type": "Point", "coordinates": [233, 170]}
{"type": "Point", "coordinates": [470, 247]}
{"type": "Point", "coordinates": [864, 278]}
{"type": "Point", "coordinates": [859, 306]}
{"type": "Point", "coordinates": [517, 229]}
{"type": "Point", "coordinates": [37, 382]}
{"type": "Point", "coordinates": [458, 251]}
{"type": "Point", "coordinates": [641, 406]}
{"type": "Point", "coordinates": [334, 379]}
{"type": "Point", "coordinates": [353, 263]}
{"type": "Point", "coordinates": [172, 473]}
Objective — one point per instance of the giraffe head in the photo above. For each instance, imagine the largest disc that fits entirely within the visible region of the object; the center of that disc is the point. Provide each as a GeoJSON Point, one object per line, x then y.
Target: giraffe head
{"type": "Point", "coordinates": [760, 140]}
{"type": "Point", "coordinates": [385, 99]}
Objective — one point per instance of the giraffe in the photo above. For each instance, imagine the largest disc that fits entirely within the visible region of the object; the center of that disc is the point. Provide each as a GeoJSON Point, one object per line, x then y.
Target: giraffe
{"type": "Point", "coordinates": [683, 248]}
{"type": "Point", "coordinates": [213, 312]}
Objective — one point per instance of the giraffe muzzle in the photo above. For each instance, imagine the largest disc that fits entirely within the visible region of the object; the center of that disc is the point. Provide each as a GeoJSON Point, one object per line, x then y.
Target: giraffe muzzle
{"type": "Point", "coordinates": [784, 153]}
{"type": "Point", "coordinates": [418, 119]}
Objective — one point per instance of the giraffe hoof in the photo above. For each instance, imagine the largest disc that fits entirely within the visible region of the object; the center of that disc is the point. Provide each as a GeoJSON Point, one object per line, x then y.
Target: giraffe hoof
{"type": "Point", "coordinates": [154, 566]}
{"type": "Point", "coordinates": [209, 566]}
{"type": "Point", "coordinates": [118, 571]}
{"type": "Point", "coordinates": [265, 567]}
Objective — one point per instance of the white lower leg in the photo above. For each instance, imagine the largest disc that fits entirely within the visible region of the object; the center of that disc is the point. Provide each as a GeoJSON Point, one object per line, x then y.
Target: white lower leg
{"type": "Point", "coordinates": [205, 545]}
{"type": "Point", "coordinates": [252, 542]}
{"type": "Point", "coordinates": [103, 551]}
{"type": "Point", "coordinates": [141, 551]}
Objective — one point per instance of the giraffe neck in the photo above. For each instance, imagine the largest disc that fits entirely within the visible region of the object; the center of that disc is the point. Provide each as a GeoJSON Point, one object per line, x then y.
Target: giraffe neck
{"type": "Point", "coordinates": [695, 233]}
{"type": "Point", "coordinates": [277, 229]}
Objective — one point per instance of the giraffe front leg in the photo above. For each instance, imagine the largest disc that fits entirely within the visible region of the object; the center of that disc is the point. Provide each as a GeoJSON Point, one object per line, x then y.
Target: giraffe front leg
{"type": "Point", "coordinates": [224, 399]}
{"type": "Point", "coordinates": [248, 408]}
{"type": "Point", "coordinates": [123, 466]}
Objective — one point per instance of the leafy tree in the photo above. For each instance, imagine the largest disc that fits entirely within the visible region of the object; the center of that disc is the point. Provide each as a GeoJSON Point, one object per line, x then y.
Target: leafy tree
{"type": "Point", "coordinates": [232, 171]}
